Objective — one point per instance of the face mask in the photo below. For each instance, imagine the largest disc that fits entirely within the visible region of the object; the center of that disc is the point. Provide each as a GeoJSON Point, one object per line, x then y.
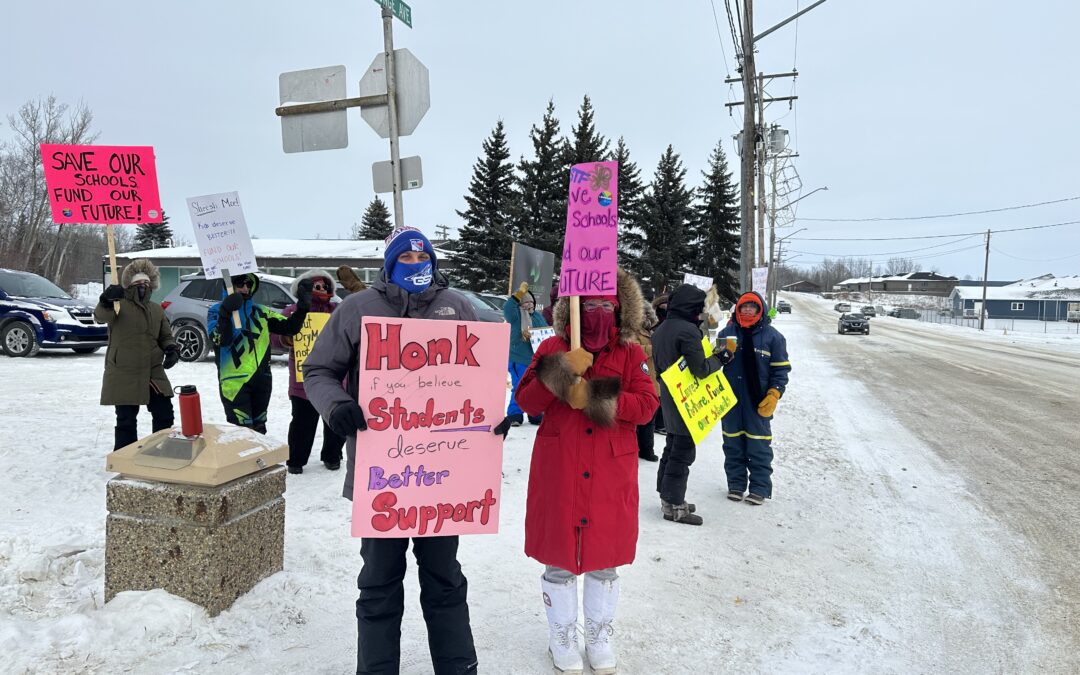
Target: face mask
{"type": "Point", "coordinates": [413, 277]}
{"type": "Point", "coordinates": [596, 329]}
{"type": "Point", "coordinates": [141, 291]}
{"type": "Point", "coordinates": [746, 321]}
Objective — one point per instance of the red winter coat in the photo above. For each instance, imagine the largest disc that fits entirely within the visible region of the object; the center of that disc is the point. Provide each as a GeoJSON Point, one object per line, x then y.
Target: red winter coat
{"type": "Point", "coordinates": [582, 507]}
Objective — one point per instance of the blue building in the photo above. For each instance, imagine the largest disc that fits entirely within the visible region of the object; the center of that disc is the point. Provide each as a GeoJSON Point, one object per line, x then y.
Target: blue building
{"type": "Point", "coordinates": [1045, 298]}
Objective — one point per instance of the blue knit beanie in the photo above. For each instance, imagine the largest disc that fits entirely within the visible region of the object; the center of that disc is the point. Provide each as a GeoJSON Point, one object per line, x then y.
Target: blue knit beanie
{"type": "Point", "coordinates": [406, 239]}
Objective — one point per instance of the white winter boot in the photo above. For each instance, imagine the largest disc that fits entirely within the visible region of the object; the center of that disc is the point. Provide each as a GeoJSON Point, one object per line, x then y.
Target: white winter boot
{"type": "Point", "coordinates": [601, 597]}
{"type": "Point", "coordinates": [560, 601]}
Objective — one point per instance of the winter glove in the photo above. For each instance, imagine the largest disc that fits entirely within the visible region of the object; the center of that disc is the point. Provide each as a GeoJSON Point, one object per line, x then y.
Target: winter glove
{"type": "Point", "coordinates": [768, 404]}
{"type": "Point", "coordinates": [578, 395]}
{"type": "Point", "coordinates": [347, 419]}
{"type": "Point", "coordinates": [286, 341]}
{"type": "Point", "coordinates": [303, 294]}
{"type": "Point", "coordinates": [503, 427]}
{"type": "Point", "coordinates": [521, 291]}
{"type": "Point", "coordinates": [579, 360]}
{"type": "Point", "coordinates": [172, 355]}
{"type": "Point", "coordinates": [231, 303]}
{"type": "Point", "coordinates": [725, 357]}
{"type": "Point", "coordinates": [349, 280]}
{"type": "Point", "coordinates": [112, 293]}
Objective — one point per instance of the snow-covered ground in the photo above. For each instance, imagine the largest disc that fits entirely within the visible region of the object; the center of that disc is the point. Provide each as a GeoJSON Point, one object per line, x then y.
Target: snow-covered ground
{"type": "Point", "coordinates": [872, 556]}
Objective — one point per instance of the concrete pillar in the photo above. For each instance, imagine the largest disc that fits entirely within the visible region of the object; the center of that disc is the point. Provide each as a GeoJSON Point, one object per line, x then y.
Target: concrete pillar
{"type": "Point", "coordinates": [209, 545]}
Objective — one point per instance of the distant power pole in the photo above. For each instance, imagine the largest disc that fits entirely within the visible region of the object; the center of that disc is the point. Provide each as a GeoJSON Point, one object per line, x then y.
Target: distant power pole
{"type": "Point", "coordinates": [442, 232]}
{"type": "Point", "coordinates": [986, 270]}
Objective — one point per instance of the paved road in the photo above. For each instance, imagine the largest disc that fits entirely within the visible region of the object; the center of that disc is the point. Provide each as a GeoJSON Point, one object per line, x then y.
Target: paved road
{"type": "Point", "coordinates": [1006, 417]}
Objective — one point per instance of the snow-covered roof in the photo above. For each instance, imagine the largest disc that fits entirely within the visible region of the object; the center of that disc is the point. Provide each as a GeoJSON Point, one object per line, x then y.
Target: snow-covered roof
{"type": "Point", "coordinates": [285, 248]}
{"type": "Point", "coordinates": [910, 276]}
{"type": "Point", "coordinates": [1046, 287]}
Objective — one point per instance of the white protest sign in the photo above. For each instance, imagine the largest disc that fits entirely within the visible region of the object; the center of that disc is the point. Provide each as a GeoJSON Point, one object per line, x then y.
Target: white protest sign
{"type": "Point", "coordinates": [704, 283]}
{"type": "Point", "coordinates": [221, 234]}
{"type": "Point", "coordinates": [538, 335]}
{"type": "Point", "coordinates": [760, 279]}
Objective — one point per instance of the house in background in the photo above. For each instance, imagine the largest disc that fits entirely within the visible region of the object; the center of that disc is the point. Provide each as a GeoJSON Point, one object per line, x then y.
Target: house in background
{"type": "Point", "coordinates": [802, 286]}
{"type": "Point", "coordinates": [283, 257]}
{"type": "Point", "coordinates": [912, 283]}
{"type": "Point", "coordinates": [1045, 298]}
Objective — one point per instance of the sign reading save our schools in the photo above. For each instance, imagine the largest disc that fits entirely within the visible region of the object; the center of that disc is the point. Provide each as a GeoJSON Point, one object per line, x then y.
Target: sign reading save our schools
{"type": "Point", "coordinates": [429, 463]}
{"type": "Point", "coordinates": [701, 402]}
{"type": "Point", "coordinates": [221, 234]}
{"type": "Point", "coordinates": [106, 184]}
{"type": "Point", "coordinates": [590, 251]}
{"type": "Point", "coordinates": [305, 340]}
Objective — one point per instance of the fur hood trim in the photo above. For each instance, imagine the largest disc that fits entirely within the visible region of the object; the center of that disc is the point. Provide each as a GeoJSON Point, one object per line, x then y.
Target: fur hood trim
{"type": "Point", "coordinates": [630, 317]}
{"type": "Point", "coordinates": [141, 266]}
{"type": "Point", "coordinates": [313, 274]}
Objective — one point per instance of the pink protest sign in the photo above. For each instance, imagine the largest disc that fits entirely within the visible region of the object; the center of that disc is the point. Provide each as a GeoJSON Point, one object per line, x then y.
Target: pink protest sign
{"type": "Point", "coordinates": [592, 230]}
{"type": "Point", "coordinates": [105, 184]}
{"type": "Point", "coordinates": [429, 463]}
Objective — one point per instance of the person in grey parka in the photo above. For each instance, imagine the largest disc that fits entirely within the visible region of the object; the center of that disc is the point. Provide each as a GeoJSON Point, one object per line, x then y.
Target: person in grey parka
{"type": "Point", "coordinates": [410, 286]}
{"type": "Point", "coordinates": [141, 348]}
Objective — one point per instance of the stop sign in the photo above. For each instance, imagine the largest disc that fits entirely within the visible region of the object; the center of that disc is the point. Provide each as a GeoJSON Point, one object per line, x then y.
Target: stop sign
{"type": "Point", "coordinates": [413, 93]}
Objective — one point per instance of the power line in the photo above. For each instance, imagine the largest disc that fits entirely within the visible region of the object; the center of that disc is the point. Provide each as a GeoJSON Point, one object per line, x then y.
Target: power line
{"type": "Point", "coordinates": [941, 215]}
{"type": "Point", "coordinates": [885, 258]}
{"type": "Point", "coordinates": [884, 253]}
{"type": "Point", "coordinates": [719, 36]}
{"type": "Point", "coordinates": [1009, 255]}
{"type": "Point", "coordinates": [934, 236]}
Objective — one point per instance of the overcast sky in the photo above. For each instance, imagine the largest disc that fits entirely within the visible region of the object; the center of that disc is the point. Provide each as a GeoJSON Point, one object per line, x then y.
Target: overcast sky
{"type": "Point", "coordinates": [905, 109]}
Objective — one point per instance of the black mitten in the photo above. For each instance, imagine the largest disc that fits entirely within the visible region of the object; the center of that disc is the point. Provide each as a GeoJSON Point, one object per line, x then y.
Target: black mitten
{"type": "Point", "coordinates": [347, 419]}
{"type": "Point", "coordinates": [112, 293]}
{"type": "Point", "coordinates": [232, 302]}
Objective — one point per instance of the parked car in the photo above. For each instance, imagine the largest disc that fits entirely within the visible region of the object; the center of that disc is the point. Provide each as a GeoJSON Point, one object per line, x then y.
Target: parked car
{"type": "Point", "coordinates": [903, 313]}
{"type": "Point", "coordinates": [485, 311]}
{"type": "Point", "coordinates": [497, 300]}
{"type": "Point", "coordinates": [187, 304]}
{"type": "Point", "coordinates": [783, 307]}
{"type": "Point", "coordinates": [853, 323]}
{"type": "Point", "coordinates": [842, 307]}
{"type": "Point", "coordinates": [37, 314]}
{"type": "Point", "coordinates": [869, 310]}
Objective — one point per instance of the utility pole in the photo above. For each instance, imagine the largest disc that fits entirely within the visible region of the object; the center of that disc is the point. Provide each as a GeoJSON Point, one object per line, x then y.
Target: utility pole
{"type": "Point", "coordinates": [762, 157]}
{"type": "Point", "coordinates": [748, 149]}
{"type": "Point", "coordinates": [391, 103]}
{"type": "Point", "coordinates": [986, 270]}
{"type": "Point", "coordinates": [774, 253]}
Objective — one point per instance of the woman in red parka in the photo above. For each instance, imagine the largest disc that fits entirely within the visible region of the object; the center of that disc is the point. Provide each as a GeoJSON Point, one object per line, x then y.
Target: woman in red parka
{"type": "Point", "coordinates": [582, 510]}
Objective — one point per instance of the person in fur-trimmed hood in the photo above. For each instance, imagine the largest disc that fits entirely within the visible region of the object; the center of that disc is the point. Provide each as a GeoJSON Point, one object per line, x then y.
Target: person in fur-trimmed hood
{"type": "Point", "coordinates": [305, 419]}
{"type": "Point", "coordinates": [582, 508]}
{"type": "Point", "coordinates": [141, 348]}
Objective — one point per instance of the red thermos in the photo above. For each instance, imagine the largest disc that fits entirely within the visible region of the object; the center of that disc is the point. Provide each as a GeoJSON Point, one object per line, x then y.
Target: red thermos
{"type": "Point", "coordinates": [190, 411]}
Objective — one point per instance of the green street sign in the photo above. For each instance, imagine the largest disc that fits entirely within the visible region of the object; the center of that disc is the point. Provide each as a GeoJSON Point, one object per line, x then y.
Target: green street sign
{"type": "Point", "coordinates": [399, 9]}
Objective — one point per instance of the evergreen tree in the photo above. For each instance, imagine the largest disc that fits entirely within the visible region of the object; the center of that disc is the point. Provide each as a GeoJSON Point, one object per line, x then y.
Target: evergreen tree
{"type": "Point", "coordinates": [542, 184]}
{"type": "Point", "coordinates": [153, 235]}
{"type": "Point", "coordinates": [376, 223]}
{"type": "Point", "coordinates": [585, 145]}
{"type": "Point", "coordinates": [715, 235]}
{"type": "Point", "coordinates": [632, 214]}
{"type": "Point", "coordinates": [669, 215]}
{"type": "Point", "coordinates": [483, 259]}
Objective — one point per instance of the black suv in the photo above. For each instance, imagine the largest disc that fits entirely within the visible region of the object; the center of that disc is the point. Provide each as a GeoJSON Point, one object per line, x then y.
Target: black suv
{"type": "Point", "coordinates": [783, 306]}
{"type": "Point", "coordinates": [853, 323]}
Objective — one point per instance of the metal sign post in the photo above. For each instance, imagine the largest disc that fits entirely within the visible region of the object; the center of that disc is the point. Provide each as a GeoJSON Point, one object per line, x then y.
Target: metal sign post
{"type": "Point", "coordinates": [391, 104]}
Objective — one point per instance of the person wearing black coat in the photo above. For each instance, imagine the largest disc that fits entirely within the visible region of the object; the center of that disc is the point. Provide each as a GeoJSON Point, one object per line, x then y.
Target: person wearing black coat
{"type": "Point", "coordinates": [680, 337]}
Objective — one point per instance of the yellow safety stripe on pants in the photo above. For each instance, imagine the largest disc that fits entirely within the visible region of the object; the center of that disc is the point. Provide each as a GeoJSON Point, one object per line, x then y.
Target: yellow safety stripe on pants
{"type": "Point", "coordinates": [743, 433]}
{"type": "Point", "coordinates": [781, 363]}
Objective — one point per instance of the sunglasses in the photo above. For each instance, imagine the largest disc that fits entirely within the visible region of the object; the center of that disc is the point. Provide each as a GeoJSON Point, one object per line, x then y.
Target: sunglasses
{"type": "Point", "coordinates": [241, 283]}
{"type": "Point", "coordinates": [594, 305]}
{"type": "Point", "coordinates": [319, 286]}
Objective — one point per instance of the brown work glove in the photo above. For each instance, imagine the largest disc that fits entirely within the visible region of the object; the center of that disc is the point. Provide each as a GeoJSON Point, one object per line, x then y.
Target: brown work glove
{"type": "Point", "coordinates": [521, 291]}
{"type": "Point", "coordinates": [768, 404]}
{"type": "Point", "coordinates": [578, 395]}
{"type": "Point", "coordinates": [349, 280]}
{"type": "Point", "coordinates": [579, 360]}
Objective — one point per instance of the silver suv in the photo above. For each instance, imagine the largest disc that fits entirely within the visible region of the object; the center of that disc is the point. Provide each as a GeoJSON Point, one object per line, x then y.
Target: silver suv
{"type": "Point", "coordinates": [186, 307]}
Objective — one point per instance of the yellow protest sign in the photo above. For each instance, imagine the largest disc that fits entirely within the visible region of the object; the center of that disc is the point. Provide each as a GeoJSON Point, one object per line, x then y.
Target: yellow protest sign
{"type": "Point", "coordinates": [305, 340]}
{"type": "Point", "coordinates": [701, 403]}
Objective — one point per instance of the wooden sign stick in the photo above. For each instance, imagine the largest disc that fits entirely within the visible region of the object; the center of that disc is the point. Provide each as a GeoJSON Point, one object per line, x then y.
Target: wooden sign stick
{"type": "Point", "coordinates": [227, 278]}
{"type": "Point", "coordinates": [575, 321]}
{"type": "Point", "coordinates": [113, 277]}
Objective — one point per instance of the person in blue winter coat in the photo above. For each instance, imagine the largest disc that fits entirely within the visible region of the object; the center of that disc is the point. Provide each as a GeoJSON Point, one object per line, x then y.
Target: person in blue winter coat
{"type": "Point", "coordinates": [520, 312]}
{"type": "Point", "coordinates": [758, 373]}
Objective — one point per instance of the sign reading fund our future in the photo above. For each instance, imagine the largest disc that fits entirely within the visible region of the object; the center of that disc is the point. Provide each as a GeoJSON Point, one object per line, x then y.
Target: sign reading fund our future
{"type": "Point", "coordinates": [590, 250]}
{"type": "Point", "coordinates": [429, 463]}
{"type": "Point", "coordinates": [101, 184]}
